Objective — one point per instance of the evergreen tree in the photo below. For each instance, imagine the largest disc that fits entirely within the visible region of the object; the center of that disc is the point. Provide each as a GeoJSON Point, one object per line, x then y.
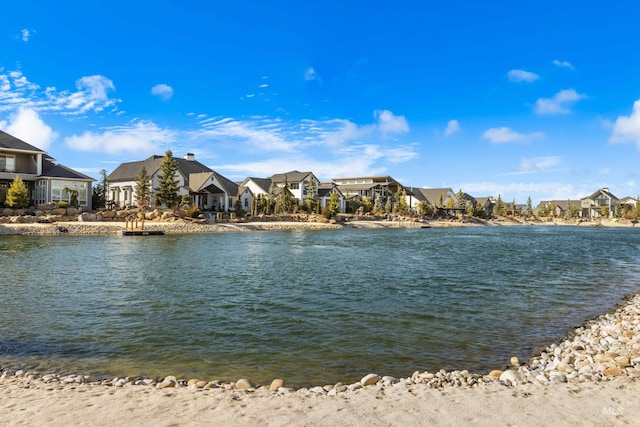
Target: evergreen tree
{"type": "Point", "coordinates": [270, 200]}
{"type": "Point", "coordinates": [378, 204]}
{"type": "Point", "coordinates": [554, 208]}
{"type": "Point", "coordinates": [284, 201]}
{"type": "Point", "coordinates": [513, 207]}
{"type": "Point", "coordinates": [167, 182]}
{"type": "Point", "coordinates": [423, 208]}
{"type": "Point", "coordinates": [637, 212]}
{"type": "Point", "coordinates": [441, 201]}
{"type": "Point", "coordinates": [333, 206]}
{"type": "Point", "coordinates": [401, 201]}
{"type": "Point", "coordinates": [529, 206]}
{"type": "Point", "coordinates": [143, 191]}
{"type": "Point", "coordinates": [99, 193]}
{"type": "Point", "coordinates": [18, 194]}
{"type": "Point", "coordinates": [388, 206]}
{"type": "Point", "coordinates": [310, 195]}
{"type": "Point", "coordinates": [500, 208]}
{"type": "Point", "coordinates": [461, 202]}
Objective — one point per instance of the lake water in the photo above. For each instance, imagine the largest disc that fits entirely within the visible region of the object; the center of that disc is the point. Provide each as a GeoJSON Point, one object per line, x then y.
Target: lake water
{"type": "Point", "coordinates": [312, 307]}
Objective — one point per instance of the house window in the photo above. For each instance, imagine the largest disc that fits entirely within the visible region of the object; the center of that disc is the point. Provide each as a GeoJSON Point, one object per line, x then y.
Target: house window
{"type": "Point", "coordinates": [7, 163]}
{"type": "Point", "coordinates": [602, 200]}
{"type": "Point", "coordinates": [294, 185]}
{"type": "Point", "coordinates": [246, 203]}
{"type": "Point", "coordinates": [61, 191]}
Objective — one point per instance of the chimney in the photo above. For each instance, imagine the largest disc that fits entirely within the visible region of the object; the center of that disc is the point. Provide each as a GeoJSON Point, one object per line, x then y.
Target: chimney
{"type": "Point", "coordinates": [189, 156]}
{"type": "Point", "coordinates": [605, 189]}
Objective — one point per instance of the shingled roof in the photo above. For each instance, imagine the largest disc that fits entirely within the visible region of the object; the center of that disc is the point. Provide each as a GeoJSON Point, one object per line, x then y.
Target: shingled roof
{"type": "Point", "coordinates": [52, 170]}
{"type": "Point", "coordinates": [129, 171]}
{"type": "Point", "coordinates": [10, 142]}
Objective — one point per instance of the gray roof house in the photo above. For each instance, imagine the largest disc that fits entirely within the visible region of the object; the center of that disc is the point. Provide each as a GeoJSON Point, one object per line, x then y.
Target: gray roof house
{"type": "Point", "coordinates": [592, 206]}
{"type": "Point", "coordinates": [45, 180]}
{"type": "Point", "coordinates": [209, 189]}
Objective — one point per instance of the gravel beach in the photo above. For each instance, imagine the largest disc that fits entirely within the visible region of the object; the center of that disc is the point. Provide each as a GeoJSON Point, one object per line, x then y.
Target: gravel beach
{"type": "Point", "coordinates": [589, 378]}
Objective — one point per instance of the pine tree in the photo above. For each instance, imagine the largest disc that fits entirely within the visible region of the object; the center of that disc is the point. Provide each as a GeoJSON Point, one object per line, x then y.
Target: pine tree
{"type": "Point", "coordinates": [99, 193]}
{"type": "Point", "coordinates": [460, 200]}
{"type": "Point", "coordinates": [284, 200]}
{"type": "Point", "coordinates": [500, 207]}
{"type": "Point", "coordinates": [637, 212]}
{"type": "Point", "coordinates": [333, 206]}
{"type": "Point", "coordinates": [18, 194]}
{"type": "Point", "coordinates": [529, 206]}
{"type": "Point", "coordinates": [441, 201]}
{"type": "Point", "coordinates": [167, 182]}
{"type": "Point", "coordinates": [143, 192]}
{"type": "Point", "coordinates": [310, 196]}
{"type": "Point", "coordinates": [401, 201]}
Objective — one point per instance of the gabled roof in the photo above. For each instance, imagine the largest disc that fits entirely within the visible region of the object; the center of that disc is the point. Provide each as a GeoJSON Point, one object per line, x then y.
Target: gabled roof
{"type": "Point", "coordinates": [431, 195]}
{"type": "Point", "coordinates": [293, 176]}
{"type": "Point", "coordinates": [326, 188]}
{"type": "Point", "coordinates": [52, 170]}
{"type": "Point", "coordinates": [484, 200]}
{"type": "Point", "coordinates": [129, 171]}
{"type": "Point", "coordinates": [604, 191]}
{"type": "Point", "coordinates": [263, 183]}
{"type": "Point", "coordinates": [9, 142]}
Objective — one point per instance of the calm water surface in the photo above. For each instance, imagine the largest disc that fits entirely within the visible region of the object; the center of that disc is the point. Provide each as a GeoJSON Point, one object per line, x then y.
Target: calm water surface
{"type": "Point", "coordinates": [313, 307]}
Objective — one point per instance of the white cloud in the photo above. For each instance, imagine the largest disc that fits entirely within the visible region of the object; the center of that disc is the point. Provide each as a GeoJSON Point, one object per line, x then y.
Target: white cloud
{"type": "Point", "coordinates": [522, 76]}
{"type": "Point", "coordinates": [27, 125]}
{"type": "Point", "coordinates": [504, 134]}
{"type": "Point", "coordinates": [390, 123]}
{"type": "Point", "coordinates": [538, 164]}
{"type": "Point", "coordinates": [162, 91]}
{"type": "Point", "coordinates": [92, 94]}
{"type": "Point", "coordinates": [627, 128]}
{"type": "Point", "coordinates": [563, 64]}
{"type": "Point", "coordinates": [560, 103]}
{"type": "Point", "coordinates": [311, 75]}
{"type": "Point", "coordinates": [452, 127]}
{"type": "Point", "coordinates": [25, 34]}
{"type": "Point", "coordinates": [141, 137]}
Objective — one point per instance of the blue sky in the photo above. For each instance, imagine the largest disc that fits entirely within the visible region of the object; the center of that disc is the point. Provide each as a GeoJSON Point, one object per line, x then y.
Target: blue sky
{"type": "Point", "coordinates": [512, 98]}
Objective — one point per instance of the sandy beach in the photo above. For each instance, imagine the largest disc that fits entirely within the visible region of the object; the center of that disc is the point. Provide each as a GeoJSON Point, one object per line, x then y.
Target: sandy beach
{"type": "Point", "coordinates": [589, 378]}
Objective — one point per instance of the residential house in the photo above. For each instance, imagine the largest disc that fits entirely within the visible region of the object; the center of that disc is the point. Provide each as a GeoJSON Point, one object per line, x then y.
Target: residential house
{"type": "Point", "coordinates": [559, 208]}
{"type": "Point", "coordinates": [325, 190]}
{"type": "Point", "coordinates": [122, 182]}
{"type": "Point", "coordinates": [372, 187]}
{"type": "Point", "coordinates": [213, 192]}
{"type": "Point", "coordinates": [297, 183]}
{"type": "Point", "coordinates": [45, 180]}
{"type": "Point", "coordinates": [487, 204]}
{"type": "Point", "coordinates": [592, 206]}
{"type": "Point", "coordinates": [626, 205]}
{"type": "Point", "coordinates": [436, 197]}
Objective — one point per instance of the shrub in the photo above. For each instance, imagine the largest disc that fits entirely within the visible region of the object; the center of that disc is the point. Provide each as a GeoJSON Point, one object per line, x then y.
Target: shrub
{"type": "Point", "coordinates": [62, 205]}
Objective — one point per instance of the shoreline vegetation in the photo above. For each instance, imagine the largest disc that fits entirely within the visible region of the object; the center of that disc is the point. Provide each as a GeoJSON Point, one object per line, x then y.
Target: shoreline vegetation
{"type": "Point", "coordinates": [591, 377]}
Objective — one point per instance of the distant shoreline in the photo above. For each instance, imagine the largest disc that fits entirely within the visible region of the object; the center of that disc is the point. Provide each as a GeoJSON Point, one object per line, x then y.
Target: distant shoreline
{"type": "Point", "coordinates": [181, 226]}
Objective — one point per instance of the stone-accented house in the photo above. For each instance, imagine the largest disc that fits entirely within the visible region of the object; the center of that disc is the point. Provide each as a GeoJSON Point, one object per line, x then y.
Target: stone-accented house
{"type": "Point", "coordinates": [487, 204]}
{"type": "Point", "coordinates": [45, 180]}
{"type": "Point", "coordinates": [592, 206]}
{"type": "Point", "coordinates": [122, 181]}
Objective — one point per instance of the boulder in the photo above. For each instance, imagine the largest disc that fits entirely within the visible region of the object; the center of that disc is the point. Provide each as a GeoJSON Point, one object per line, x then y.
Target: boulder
{"type": "Point", "coordinates": [276, 384]}
{"type": "Point", "coordinates": [370, 379]}
{"type": "Point", "coordinates": [244, 384]}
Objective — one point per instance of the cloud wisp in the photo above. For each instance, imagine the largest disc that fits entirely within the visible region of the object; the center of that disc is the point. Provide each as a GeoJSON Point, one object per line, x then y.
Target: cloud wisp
{"type": "Point", "coordinates": [560, 103]}
{"type": "Point", "coordinates": [563, 64]}
{"type": "Point", "coordinates": [162, 91]}
{"type": "Point", "coordinates": [503, 135]}
{"type": "Point", "coordinates": [522, 76]}
{"type": "Point", "coordinates": [453, 126]}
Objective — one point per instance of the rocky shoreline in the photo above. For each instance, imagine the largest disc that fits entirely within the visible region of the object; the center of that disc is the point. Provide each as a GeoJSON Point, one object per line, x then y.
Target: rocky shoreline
{"type": "Point", "coordinates": [604, 349]}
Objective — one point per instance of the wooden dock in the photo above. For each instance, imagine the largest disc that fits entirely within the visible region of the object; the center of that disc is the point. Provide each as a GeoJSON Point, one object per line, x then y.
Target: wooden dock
{"type": "Point", "coordinates": [142, 232]}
